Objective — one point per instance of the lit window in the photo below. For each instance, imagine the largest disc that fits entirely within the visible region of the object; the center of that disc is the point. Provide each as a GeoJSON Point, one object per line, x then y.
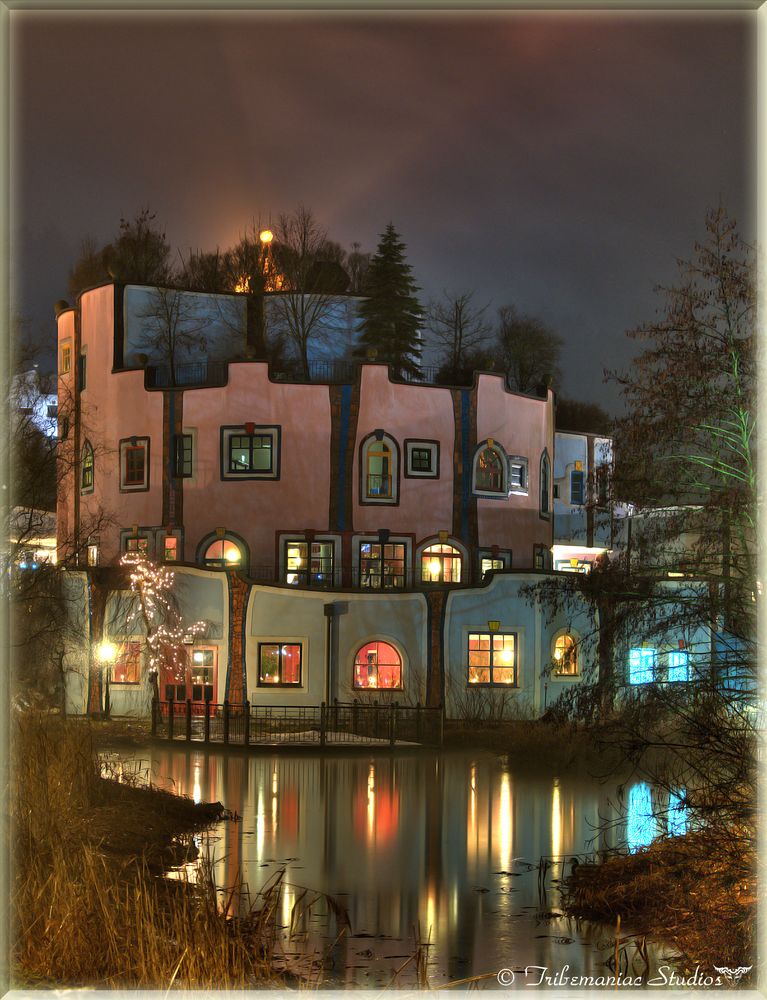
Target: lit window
{"type": "Point", "coordinates": [170, 548]}
{"type": "Point", "coordinates": [86, 469]}
{"type": "Point", "coordinates": [422, 459]}
{"type": "Point", "coordinates": [250, 452]}
{"type": "Point", "coordinates": [379, 469]}
{"type": "Point", "coordinates": [182, 456]}
{"type": "Point", "coordinates": [223, 553]}
{"type": "Point", "coordinates": [576, 488]}
{"type": "Point", "coordinates": [679, 665]}
{"type": "Point", "coordinates": [490, 471]}
{"type": "Point", "coordinates": [641, 666]}
{"type": "Point", "coordinates": [127, 666]}
{"type": "Point", "coordinates": [518, 475]}
{"type": "Point", "coordinates": [539, 556]}
{"type": "Point", "coordinates": [565, 655]}
{"type": "Point", "coordinates": [66, 359]}
{"type": "Point", "coordinates": [279, 664]}
{"type": "Point", "coordinates": [487, 565]}
{"type": "Point", "coordinates": [382, 567]}
{"type": "Point", "coordinates": [202, 674]}
{"type": "Point", "coordinates": [545, 481]}
{"type": "Point", "coordinates": [492, 658]}
{"type": "Point", "coordinates": [441, 564]}
{"type": "Point", "coordinates": [93, 554]}
{"type": "Point", "coordinates": [309, 563]}
{"type": "Point", "coordinates": [378, 665]}
{"type": "Point", "coordinates": [134, 464]}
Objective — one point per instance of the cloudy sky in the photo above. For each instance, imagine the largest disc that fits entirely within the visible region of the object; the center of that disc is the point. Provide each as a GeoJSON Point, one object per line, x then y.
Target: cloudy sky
{"type": "Point", "coordinates": [559, 162]}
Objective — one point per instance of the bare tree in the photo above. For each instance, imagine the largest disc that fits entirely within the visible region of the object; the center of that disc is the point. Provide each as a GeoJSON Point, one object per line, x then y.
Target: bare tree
{"type": "Point", "coordinates": [528, 351]}
{"type": "Point", "coordinates": [461, 329]}
{"type": "Point", "coordinates": [305, 304]}
{"type": "Point", "coordinates": [172, 328]}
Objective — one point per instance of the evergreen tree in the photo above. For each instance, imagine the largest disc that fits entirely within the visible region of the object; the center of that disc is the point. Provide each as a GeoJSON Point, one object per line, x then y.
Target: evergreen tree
{"type": "Point", "coordinates": [391, 313]}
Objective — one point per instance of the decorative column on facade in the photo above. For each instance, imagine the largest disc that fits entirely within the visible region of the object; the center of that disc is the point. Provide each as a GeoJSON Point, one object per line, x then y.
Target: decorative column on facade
{"type": "Point", "coordinates": [236, 672]}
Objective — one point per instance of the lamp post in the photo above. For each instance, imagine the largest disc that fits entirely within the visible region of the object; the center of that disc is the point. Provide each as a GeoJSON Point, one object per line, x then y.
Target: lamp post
{"type": "Point", "coordinates": [106, 654]}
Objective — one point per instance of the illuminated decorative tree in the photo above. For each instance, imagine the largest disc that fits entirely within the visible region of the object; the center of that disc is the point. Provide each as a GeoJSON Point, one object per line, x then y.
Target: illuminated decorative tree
{"type": "Point", "coordinates": [157, 609]}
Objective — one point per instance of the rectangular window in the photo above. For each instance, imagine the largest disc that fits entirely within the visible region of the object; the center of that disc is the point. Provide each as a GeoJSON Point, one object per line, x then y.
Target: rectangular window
{"type": "Point", "coordinates": [127, 666]}
{"type": "Point", "coordinates": [134, 464]}
{"type": "Point", "coordinates": [679, 665]}
{"type": "Point", "coordinates": [202, 673]}
{"type": "Point", "coordinates": [279, 664]}
{"type": "Point", "coordinates": [66, 359]}
{"type": "Point", "coordinates": [518, 474]}
{"type": "Point", "coordinates": [641, 666]}
{"type": "Point", "coordinates": [81, 372]}
{"type": "Point", "coordinates": [487, 565]}
{"type": "Point", "coordinates": [309, 564]}
{"type": "Point", "coordinates": [539, 556]}
{"type": "Point", "coordinates": [182, 456]}
{"type": "Point", "coordinates": [576, 488]}
{"type": "Point", "coordinates": [250, 454]}
{"type": "Point", "coordinates": [492, 658]}
{"type": "Point", "coordinates": [382, 567]}
{"type": "Point", "coordinates": [422, 459]}
{"type": "Point", "coordinates": [93, 554]}
{"type": "Point", "coordinates": [170, 548]}
{"type": "Point", "coordinates": [136, 543]}
{"type": "Point", "coordinates": [555, 491]}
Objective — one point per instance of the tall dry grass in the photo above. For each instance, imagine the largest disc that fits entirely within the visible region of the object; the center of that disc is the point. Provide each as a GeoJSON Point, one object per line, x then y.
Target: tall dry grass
{"type": "Point", "coordinates": [86, 917]}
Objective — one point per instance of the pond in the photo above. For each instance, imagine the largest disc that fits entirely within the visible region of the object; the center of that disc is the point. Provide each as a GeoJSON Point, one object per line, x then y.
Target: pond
{"type": "Point", "coordinates": [441, 848]}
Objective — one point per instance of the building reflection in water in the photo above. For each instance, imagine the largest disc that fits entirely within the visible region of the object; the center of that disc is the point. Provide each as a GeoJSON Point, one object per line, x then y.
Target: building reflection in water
{"type": "Point", "coordinates": [436, 843]}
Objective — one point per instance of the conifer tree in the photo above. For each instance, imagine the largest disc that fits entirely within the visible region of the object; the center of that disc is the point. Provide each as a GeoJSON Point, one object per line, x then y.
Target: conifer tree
{"type": "Point", "coordinates": [391, 313]}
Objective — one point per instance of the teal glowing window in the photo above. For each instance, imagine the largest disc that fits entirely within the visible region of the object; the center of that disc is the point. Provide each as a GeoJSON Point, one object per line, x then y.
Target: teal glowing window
{"type": "Point", "coordinates": [679, 665]}
{"type": "Point", "coordinates": [641, 666]}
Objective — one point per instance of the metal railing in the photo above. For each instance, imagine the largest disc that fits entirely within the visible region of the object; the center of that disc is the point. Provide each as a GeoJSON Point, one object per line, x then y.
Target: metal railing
{"type": "Point", "coordinates": [338, 724]}
{"type": "Point", "coordinates": [196, 373]}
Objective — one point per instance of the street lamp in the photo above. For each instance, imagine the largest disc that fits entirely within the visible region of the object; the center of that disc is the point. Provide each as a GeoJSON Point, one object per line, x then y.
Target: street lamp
{"type": "Point", "coordinates": [106, 654]}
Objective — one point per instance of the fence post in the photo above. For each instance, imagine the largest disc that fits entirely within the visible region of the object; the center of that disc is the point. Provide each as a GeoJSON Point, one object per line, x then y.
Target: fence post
{"type": "Point", "coordinates": [246, 733]}
{"type": "Point", "coordinates": [206, 722]}
{"type": "Point", "coordinates": [418, 723]}
{"type": "Point", "coordinates": [322, 723]}
{"type": "Point", "coordinates": [171, 720]}
{"type": "Point", "coordinates": [154, 715]}
{"type": "Point", "coordinates": [354, 716]}
{"type": "Point", "coordinates": [226, 720]}
{"type": "Point", "coordinates": [392, 723]}
{"type": "Point", "coordinates": [188, 720]}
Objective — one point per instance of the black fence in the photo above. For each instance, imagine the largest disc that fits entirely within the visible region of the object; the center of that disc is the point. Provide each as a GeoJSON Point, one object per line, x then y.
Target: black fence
{"type": "Point", "coordinates": [338, 724]}
{"type": "Point", "coordinates": [197, 373]}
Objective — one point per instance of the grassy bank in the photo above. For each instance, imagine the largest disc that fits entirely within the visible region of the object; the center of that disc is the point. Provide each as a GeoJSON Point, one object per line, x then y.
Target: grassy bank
{"type": "Point", "coordinates": [697, 892]}
{"type": "Point", "coordinates": [87, 907]}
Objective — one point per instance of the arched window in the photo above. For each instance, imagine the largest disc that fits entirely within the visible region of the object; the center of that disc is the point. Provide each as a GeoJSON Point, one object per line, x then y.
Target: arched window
{"type": "Point", "coordinates": [490, 471]}
{"type": "Point", "coordinates": [379, 469]}
{"type": "Point", "coordinates": [564, 653]}
{"type": "Point", "coordinates": [545, 483]}
{"type": "Point", "coordinates": [223, 552]}
{"type": "Point", "coordinates": [377, 665]}
{"type": "Point", "coordinates": [86, 469]}
{"type": "Point", "coordinates": [441, 563]}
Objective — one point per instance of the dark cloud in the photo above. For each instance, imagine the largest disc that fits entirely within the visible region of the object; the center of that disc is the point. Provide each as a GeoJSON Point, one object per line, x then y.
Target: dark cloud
{"type": "Point", "coordinates": [560, 162]}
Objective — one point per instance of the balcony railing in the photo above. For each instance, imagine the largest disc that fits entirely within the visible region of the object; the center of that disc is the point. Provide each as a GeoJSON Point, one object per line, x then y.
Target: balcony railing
{"type": "Point", "coordinates": [378, 486]}
{"type": "Point", "coordinates": [194, 374]}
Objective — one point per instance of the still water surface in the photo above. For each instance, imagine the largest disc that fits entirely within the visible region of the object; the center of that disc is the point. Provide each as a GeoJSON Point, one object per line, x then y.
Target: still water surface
{"type": "Point", "coordinates": [446, 844]}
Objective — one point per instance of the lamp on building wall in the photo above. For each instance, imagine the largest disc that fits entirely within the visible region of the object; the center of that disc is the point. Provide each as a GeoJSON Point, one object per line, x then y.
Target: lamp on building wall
{"type": "Point", "coordinates": [443, 536]}
{"type": "Point", "coordinates": [493, 625]}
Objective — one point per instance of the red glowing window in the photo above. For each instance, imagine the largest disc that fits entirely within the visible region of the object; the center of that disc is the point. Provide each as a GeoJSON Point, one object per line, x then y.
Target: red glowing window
{"type": "Point", "coordinates": [127, 667]}
{"type": "Point", "coordinates": [279, 664]}
{"type": "Point", "coordinates": [377, 665]}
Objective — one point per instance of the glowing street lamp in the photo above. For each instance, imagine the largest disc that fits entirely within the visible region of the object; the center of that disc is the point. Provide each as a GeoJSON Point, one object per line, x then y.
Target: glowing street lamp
{"type": "Point", "coordinates": [106, 654]}
{"type": "Point", "coordinates": [266, 236]}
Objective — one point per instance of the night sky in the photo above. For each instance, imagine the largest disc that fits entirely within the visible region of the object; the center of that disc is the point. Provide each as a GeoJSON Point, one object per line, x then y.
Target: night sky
{"type": "Point", "coordinates": [559, 162]}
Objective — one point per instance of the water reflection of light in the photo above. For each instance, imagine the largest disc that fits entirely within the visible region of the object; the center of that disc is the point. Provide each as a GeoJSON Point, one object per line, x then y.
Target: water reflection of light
{"type": "Point", "coordinates": [431, 909]}
{"type": "Point", "coordinates": [556, 820]}
{"type": "Point", "coordinates": [677, 813]}
{"type": "Point", "coordinates": [505, 821]}
{"type": "Point", "coordinates": [196, 789]}
{"type": "Point", "coordinates": [274, 782]}
{"type": "Point", "coordinates": [260, 825]}
{"type": "Point", "coordinates": [473, 804]}
{"type": "Point", "coordinates": [287, 904]}
{"type": "Point", "coordinates": [371, 803]}
{"type": "Point", "coordinates": [641, 826]}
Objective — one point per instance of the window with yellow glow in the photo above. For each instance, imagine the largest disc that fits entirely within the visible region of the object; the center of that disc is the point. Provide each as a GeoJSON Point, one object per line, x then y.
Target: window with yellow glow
{"type": "Point", "coordinates": [493, 658]}
{"type": "Point", "coordinates": [490, 471]}
{"type": "Point", "coordinates": [279, 664]}
{"type": "Point", "coordinates": [127, 666]}
{"type": "Point", "coordinates": [223, 553]}
{"type": "Point", "coordinates": [565, 656]}
{"type": "Point", "coordinates": [377, 665]}
{"type": "Point", "coordinates": [441, 564]}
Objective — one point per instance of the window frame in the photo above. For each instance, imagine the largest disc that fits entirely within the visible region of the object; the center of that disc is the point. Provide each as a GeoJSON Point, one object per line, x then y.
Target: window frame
{"type": "Point", "coordinates": [421, 554]}
{"type": "Point", "coordinates": [377, 438]}
{"type": "Point", "coordinates": [137, 443]}
{"type": "Point", "coordinates": [387, 641]}
{"type": "Point", "coordinates": [687, 665]}
{"type": "Point", "coordinates": [653, 668]}
{"type": "Point", "coordinates": [290, 685]}
{"type": "Point", "coordinates": [229, 431]}
{"type": "Point", "coordinates": [502, 493]}
{"type": "Point", "coordinates": [498, 685]}
{"type": "Point", "coordinates": [143, 534]}
{"type": "Point", "coordinates": [229, 536]}
{"type": "Point", "coordinates": [180, 459]}
{"type": "Point", "coordinates": [521, 462]}
{"type": "Point", "coordinates": [382, 560]}
{"type": "Point", "coordinates": [421, 444]}
{"type": "Point", "coordinates": [544, 512]}
{"type": "Point", "coordinates": [130, 650]}
{"type": "Point", "coordinates": [82, 372]}
{"type": "Point", "coordinates": [87, 456]}
{"type": "Point", "coordinates": [504, 556]}
{"type": "Point", "coordinates": [559, 675]}
{"type": "Point", "coordinates": [305, 575]}
{"type": "Point", "coordinates": [581, 477]}
{"type": "Point", "coordinates": [65, 357]}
